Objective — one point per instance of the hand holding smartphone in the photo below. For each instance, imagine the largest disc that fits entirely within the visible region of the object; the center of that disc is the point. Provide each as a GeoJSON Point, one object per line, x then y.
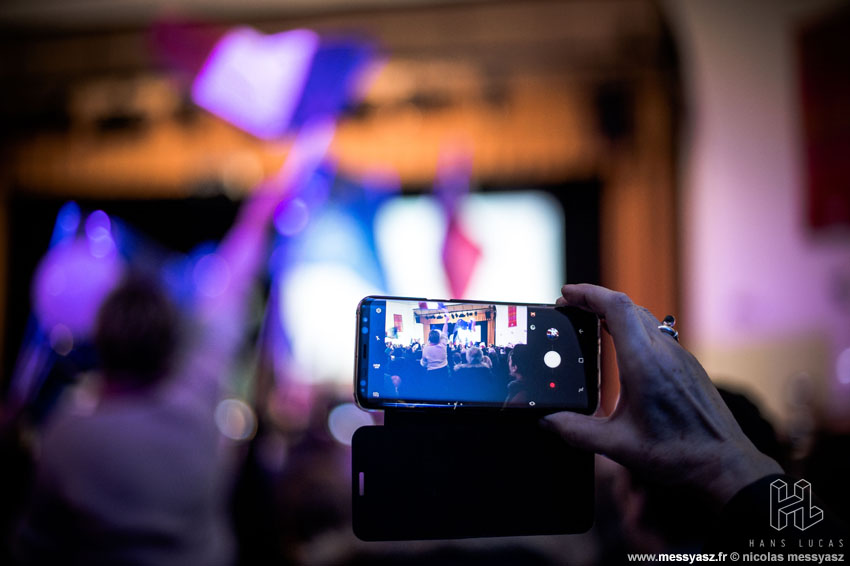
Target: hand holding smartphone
{"type": "Point", "coordinates": [503, 365]}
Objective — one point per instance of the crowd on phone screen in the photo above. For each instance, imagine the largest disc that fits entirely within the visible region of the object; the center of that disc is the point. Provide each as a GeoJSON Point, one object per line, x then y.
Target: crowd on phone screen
{"type": "Point", "coordinates": [475, 371]}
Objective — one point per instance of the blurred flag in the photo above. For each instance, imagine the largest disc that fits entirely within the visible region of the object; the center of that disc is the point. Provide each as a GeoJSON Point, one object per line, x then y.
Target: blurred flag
{"type": "Point", "coordinates": [254, 81]}
{"type": "Point", "coordinates": [460, 254]}
{"type": "Point", "coordinates": [460, 257]}
{"type": "Point", "coordinates": [270, 85]}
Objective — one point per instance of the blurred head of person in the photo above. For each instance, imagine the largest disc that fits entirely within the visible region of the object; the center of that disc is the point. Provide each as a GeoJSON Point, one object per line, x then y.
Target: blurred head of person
{"type": "Point", "coordinates": [434, 337]}
{"type": "Point", "coordinates": [474, 355]}
{"type": "Point", "coordinates": [519, 362]}
{"type": "Point", "coordinates": [137, 333]}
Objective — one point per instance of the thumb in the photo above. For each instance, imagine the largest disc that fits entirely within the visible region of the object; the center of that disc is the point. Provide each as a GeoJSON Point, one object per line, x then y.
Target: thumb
{"type": "Point", "coordinates": [582, 431]}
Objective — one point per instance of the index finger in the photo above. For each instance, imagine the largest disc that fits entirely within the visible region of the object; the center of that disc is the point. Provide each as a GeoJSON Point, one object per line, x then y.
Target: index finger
{"type": "Point", "coordinates": [619, 312]}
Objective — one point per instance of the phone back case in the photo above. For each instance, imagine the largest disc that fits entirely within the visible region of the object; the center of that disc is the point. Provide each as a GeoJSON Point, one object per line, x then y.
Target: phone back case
{"type": "Point", "coordinates": [447, 480]}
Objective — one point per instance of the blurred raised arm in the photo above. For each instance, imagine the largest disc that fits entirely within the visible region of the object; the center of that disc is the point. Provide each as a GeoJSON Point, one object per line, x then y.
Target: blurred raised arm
{"type": "Point", "coordinates": [243, 252]}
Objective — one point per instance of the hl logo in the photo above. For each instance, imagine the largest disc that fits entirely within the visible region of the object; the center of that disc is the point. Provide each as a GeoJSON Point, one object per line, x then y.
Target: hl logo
{"type": "Point", "coordinates": [798, 507]}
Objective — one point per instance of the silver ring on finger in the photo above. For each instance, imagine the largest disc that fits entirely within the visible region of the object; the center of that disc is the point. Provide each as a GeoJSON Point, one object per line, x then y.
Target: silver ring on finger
{"type": "Point", "coordinates": [667, 325]}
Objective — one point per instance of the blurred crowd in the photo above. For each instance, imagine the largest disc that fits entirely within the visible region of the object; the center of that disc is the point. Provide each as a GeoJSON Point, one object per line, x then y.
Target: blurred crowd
{"type": "Point", "coordinates": [285, 494]}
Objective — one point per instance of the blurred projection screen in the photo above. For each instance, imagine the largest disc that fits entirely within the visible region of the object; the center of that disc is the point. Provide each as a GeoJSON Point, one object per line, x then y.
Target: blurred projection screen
{"type": "Point", "coordinates": [521, 237]}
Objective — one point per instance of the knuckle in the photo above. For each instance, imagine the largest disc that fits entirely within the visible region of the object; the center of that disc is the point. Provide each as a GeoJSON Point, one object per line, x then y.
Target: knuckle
{"type": "Point", "coordinates": [645, 311]}
{"type": "Point", "coordinates": [621, 300]}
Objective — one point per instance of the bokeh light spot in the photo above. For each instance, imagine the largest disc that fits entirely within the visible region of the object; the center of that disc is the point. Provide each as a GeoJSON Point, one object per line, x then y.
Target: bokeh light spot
{"type": "Point", "coordinates": [345, 419]}
{"type": "Point", "coordinates": [99, 233]}
{"type": "Point", "coordinates": [235, 419]}
{"type": "Point", "coordinates": [69, 217]}
{"type": "Point", "coordinates": [61, 339]}
{"type": "Point", "coordinates": [842, 367]}
{"type": "Point", "coordinates": [70, 284]}
{"type": "Point", "coordinates": [211, 275]}
{"type": "Point", "coordinates": [55, 281]}
{"type": "Point", "coordinates": [101, 247]}
{"type": "Point", "coordinates": [292, 217]}
{"type": "Point", "coordinates": [98, 225]}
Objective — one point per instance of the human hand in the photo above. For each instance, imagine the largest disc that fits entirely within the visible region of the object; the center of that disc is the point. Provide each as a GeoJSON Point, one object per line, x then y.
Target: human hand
{"type": "Point", "coordinates": [670, 422]}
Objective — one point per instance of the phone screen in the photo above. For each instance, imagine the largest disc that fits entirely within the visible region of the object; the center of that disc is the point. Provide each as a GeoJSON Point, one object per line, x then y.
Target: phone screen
{"type": "Point", "coordinates": [420, 353]}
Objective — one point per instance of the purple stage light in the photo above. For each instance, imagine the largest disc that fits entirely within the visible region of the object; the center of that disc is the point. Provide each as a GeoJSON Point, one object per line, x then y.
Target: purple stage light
{"type": "Point", "coordinates": [255, 81]}
{"type": "Point", "coordinates": [70, 283]}
{"type": "Point", "coordinates": [98, 225]}
{"type": "Point", "coordinates": [67, 223]}
{"type": "Point", "coordinates": [211, 275]}
{"type": "Point", "coordinates": [99, 234]}
{"type": "Point", "coordinates": [292, 217]}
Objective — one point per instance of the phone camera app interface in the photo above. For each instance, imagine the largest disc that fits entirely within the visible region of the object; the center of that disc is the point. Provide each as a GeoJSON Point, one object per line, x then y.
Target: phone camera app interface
{"type": "Point", "coordinates": [473, 354]}
{"type": "Point", "coordinates": [552, 359]}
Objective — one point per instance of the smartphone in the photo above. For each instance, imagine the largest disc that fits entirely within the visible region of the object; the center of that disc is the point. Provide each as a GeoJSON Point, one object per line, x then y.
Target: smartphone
{"type": "Point", "coordinates": [482, 355]}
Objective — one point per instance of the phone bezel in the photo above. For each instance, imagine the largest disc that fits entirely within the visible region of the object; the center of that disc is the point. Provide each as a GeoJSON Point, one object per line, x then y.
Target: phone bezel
{"type": "Point", "coordinates": [593, 378]}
